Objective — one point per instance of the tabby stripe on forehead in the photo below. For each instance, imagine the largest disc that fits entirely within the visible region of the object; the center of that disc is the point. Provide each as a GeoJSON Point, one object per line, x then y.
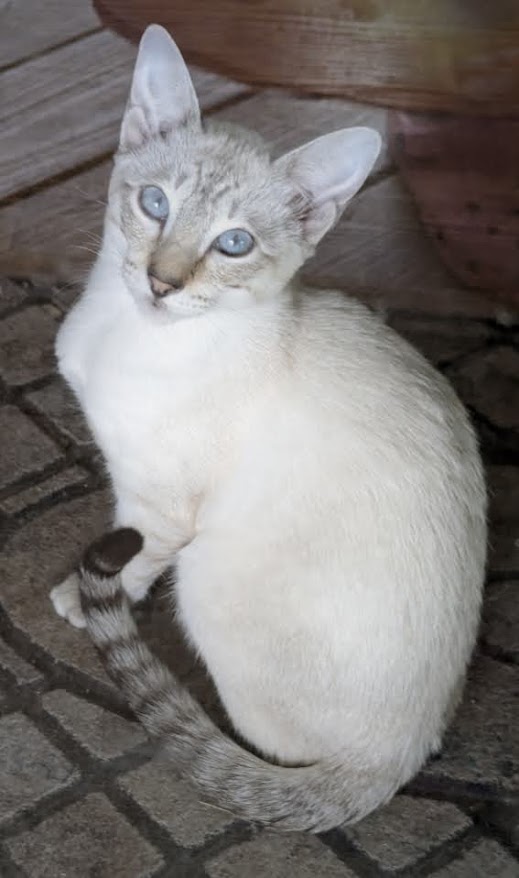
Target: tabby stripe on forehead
{"type": "Point", "coordinates": [233, 210]}
{"type": "Point", "coordinates": [219, 194]}
{"type": "Point", "coordinates": [198, 175]}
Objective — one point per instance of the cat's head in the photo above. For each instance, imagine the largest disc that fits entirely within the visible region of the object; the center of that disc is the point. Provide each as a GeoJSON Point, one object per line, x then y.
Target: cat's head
{"type": "Point", "coordinates": [204, 216]}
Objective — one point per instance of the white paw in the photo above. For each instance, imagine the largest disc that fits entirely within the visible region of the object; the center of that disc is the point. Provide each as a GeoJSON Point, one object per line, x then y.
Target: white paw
{"type": "Point", "coordinates": [67, 603]}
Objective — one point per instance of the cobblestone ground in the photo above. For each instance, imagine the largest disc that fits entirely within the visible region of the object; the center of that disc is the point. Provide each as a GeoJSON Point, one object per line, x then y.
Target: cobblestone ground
{"type": "Point", "coordinates": [81, 795]}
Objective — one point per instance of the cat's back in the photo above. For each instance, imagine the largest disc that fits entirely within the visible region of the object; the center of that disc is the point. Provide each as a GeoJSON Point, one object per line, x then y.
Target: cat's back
{"type": "Point", "coordinates": [355, 365]}
{"type": "Point", "coordinates": [372, 411]}
{"type": "Point", "coordinates": [333, 329]}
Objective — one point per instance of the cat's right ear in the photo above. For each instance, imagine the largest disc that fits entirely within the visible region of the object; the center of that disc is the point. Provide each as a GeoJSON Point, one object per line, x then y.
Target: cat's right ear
{"type": "Point", "coordinates": [329, 171]}
{"type": "Point", "coordinates": [162, 95]}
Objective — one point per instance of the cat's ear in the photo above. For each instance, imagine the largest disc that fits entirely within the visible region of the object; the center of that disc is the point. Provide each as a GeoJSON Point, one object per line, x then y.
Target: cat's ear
{"type": "Point", "coordinates": [162, 94]}
{"type": "Point", "coordinates": [329, 171]}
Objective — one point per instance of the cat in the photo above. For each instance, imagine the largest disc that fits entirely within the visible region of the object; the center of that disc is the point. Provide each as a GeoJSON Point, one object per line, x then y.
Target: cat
{"type": "Point", "coordinates": [316, 483]}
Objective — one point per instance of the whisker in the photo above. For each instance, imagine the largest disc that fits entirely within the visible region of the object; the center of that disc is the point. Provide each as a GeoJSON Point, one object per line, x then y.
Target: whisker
{"type": "Point", "coordinates": [89, 197]}
{"type": "Point", "coordinates": [94, 236]}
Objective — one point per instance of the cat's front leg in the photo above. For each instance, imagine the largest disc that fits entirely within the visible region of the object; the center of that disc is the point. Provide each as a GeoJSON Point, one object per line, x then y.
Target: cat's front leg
{"type": "Point", "coordinates": [163, 537]}
{"type": "Point", "coordinates": [66, 601]}
{"type": "Point", "coordinates": [138, 576]}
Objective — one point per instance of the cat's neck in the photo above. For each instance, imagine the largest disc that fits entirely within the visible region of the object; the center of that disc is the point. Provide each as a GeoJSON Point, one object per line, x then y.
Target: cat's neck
{"type": "Point", "coordinates": [247, 336]}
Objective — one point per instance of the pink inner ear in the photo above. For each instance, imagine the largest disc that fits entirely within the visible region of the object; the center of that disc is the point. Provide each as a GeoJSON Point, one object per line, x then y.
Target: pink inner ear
{"type": "Point", "coordinates": [162, 95]}
{"type": "Point", "coordinates": [134, 128]}
{"type": "Point", "coordinates": [319, 219]}
{"type": "Point", "coordinates": [331, 169]}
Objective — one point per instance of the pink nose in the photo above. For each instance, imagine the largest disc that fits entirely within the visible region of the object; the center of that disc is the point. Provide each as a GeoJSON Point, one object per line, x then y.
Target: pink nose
{"type": "Point", "coordinates": [160, 288]}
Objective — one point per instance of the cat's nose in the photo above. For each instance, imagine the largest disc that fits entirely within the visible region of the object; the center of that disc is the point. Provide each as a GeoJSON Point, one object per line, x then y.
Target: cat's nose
{"type": "Point", "coordinates": [161, 288]}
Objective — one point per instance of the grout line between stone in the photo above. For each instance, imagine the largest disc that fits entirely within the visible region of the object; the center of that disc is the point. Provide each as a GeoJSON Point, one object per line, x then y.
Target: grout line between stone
{"type": "Point", "coordinates": [41, 420]}
{"type": "Point", "coordinates": [59, 674]}
{"type": "Point", "coordinates": [443, 855]}
{"type": "Point", "coordinates": [8, 868]}
{"type": "Point", "coordinates": [46, 806]}
{"type": "Point", "coordinates": [502, 576]}
{"type": "Point", "coordinates": [238, 832]}
{"type": "Point", "coordinates": [358, 861]}
{"type": "Point", "coordinates": [183, 859]}
{"type": "Point", "coordinates": [507, 332]}
{"type": "Point", "coordinates": [507, 454]}
{"type": "Point", "coordinates": [92, 485]}
{"type": "Point", "coordinates": [36, 477]}
{"type": "Point", "coordinates": [498, 654]}
{"type": "Point", "coordinates": [95, 774]}
{"type": "Point", "coordinates": [489, 829]}
{"type": "Point", "coordinates": [464, 794]}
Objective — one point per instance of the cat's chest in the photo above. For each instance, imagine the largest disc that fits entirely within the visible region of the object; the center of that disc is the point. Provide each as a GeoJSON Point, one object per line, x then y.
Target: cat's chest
{"type": "Point", "coordinates": [142, 402]}
{"type": "Point", "coordinates": [157, 409]}
{"type": "Point", "coordinates": [113, 372]}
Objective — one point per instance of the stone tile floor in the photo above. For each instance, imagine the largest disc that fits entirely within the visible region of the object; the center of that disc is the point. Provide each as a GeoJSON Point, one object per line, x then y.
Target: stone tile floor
{"type": "Point", "coordinates": [83, 793]}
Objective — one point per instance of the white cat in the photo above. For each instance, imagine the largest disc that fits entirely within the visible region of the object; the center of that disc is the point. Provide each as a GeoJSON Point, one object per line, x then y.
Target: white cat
{"type": "Point", "coordinates": [316, 482]}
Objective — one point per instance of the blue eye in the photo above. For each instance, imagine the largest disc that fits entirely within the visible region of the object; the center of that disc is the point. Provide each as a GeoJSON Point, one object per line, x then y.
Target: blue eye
{"type": "Point", "coordinates": [154, 203]}
{"type": "Point", "coordinates": [234, 242]}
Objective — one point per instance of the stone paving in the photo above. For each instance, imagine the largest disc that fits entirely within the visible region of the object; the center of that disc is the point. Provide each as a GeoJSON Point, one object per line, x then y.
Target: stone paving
{"type": "Point", "coordinates": [83, 793]}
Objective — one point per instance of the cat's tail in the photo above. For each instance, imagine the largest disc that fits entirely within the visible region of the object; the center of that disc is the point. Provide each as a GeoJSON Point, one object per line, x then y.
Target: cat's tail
{"type": "Point", "coordinates": [315, 797]}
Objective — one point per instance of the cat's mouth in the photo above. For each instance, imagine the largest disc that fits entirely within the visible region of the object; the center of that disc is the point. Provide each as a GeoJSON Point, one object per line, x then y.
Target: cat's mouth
{"type": "Point", "coordinates": [164, 298]}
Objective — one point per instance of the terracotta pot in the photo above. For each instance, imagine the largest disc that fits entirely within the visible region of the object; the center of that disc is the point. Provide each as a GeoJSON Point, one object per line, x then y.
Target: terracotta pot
{"type": "Point", "coordinates": [456, 55]}
{"type": "Point", "coordinates": [464, 175]}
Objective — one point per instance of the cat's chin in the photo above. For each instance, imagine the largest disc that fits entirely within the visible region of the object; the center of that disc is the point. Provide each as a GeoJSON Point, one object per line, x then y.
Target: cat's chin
{"type": "Point", "coordinates": [167, 310]}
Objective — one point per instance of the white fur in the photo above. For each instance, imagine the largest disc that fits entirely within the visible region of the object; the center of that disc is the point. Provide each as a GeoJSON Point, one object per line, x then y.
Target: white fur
{"type": "Point", "coordinates": [330, 511]}
{"type": "Point", "coordinates": [320, 489]}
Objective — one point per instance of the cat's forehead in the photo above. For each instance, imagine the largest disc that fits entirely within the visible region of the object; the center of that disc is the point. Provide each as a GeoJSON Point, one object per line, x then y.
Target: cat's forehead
{"type": "Point", "coordinates": [215, 161]}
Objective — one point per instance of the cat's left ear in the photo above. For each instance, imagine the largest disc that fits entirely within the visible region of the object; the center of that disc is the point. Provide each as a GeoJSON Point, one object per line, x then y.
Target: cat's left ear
{"type": "Point", "coordinates": [162, 95]}
{"type": "Point", "coordinates": [329, 171]}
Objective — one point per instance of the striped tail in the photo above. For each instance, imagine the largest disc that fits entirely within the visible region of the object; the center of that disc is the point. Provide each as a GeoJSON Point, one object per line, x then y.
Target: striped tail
{"type": "Point", "coordinates": [314, 798]}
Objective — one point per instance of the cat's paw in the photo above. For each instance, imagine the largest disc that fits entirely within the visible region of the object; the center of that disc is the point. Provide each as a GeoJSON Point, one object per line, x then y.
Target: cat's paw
{"type": "Point", "coordinates": [67, 602]}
